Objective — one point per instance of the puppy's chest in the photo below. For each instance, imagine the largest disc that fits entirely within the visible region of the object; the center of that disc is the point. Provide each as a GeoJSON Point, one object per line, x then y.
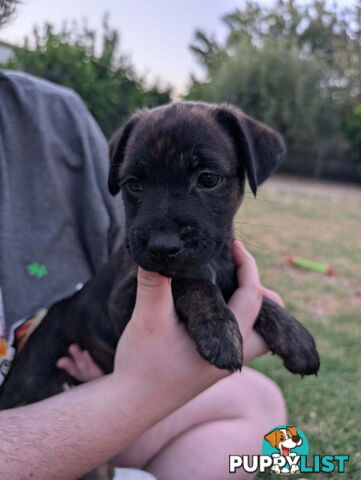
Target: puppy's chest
{"type": "Point", "coordinates": [223, 274]}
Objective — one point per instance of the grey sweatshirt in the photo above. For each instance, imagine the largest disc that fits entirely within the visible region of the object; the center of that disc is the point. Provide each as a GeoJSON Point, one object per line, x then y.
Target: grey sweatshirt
{"type": "Point", "coordinates": [58, 223]}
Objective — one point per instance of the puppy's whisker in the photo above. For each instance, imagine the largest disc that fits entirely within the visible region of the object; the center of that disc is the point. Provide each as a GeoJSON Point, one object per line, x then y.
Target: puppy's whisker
{"type": "Point", "coordinates": [248, 239]}
{"type": "Point", "coordinates": [260, 199]}
{"type": "Point", "coordinates": [255, 224]}
{"type": "Point", "coordinates": [250, 244]}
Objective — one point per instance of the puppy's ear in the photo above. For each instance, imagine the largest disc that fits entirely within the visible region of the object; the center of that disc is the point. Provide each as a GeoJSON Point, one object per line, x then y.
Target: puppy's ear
{"type": "Point", "coordinates": [272, 437]}
{"type": "Point", "coordinates": [117, 146]}
{"type": "Point", "coordinates": [260, 148]}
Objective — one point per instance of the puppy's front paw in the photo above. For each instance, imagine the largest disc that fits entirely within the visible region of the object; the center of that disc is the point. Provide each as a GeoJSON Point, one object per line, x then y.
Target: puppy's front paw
{"type": "Point", "coordinates": [300, 355]}
{"type": "Point", "coordinates": [219, 340]}
{"type": "Point", "coordinates": [297, 349]}
{"type": "Point", "coordinates": [200, 305]}
{"type": "Point", "coordinates": [287, 338]}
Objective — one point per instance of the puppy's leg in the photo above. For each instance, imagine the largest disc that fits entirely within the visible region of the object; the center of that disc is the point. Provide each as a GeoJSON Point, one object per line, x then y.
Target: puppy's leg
{"type": "Point", "coordinates": [200, 305]}
{"type": "Point", "coordinates": [286, 337]}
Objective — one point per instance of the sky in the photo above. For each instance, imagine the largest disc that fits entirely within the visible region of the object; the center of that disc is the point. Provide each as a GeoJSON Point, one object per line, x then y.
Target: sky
{"type": "Point", "coordinates": [154, 33]}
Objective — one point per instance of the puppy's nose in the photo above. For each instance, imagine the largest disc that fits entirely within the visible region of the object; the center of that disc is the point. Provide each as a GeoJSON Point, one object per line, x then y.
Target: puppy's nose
{"type": "Point", "coordinates": [164, 247]}
{"type": "Point", "coordinates": [296, 438]}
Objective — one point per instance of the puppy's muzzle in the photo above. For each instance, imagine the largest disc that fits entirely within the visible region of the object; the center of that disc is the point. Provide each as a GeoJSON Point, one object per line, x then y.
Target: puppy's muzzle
{"type": "Point", "coordinates": [164, 247]}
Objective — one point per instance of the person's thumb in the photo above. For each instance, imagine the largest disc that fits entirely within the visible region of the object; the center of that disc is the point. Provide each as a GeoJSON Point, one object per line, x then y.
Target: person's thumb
{"type": "Point", "coordinates": [154, 296]}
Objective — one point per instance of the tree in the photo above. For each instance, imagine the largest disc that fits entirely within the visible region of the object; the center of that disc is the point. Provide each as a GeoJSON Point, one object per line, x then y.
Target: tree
{"type": "Point", "coordinates": [275, 85]}
{"type": "Point", "coordinates": [7, 8]}
{"type": "Point", "coordinates": [353, 131]}
{"type": "Point", "coordinates": [296, 67]}
{"type": "Point", "coordinates": [319, 31]}
{"type": "Point", "coordinates": [105, 80]}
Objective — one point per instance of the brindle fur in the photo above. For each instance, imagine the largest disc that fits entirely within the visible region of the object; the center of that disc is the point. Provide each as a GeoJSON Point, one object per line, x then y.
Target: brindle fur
{"type": "Point", "coordinates": [160, 144]}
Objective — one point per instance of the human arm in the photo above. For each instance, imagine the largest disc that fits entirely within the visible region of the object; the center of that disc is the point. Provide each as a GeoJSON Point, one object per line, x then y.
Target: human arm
{"type": "Point", "coordinates": [157, 369]}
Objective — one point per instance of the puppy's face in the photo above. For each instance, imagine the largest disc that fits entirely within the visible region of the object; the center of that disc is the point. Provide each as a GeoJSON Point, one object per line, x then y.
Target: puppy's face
{"type": "Point", "coordinates": [182, 180]}
{"type": "Point", "coordinates": [181, 189]}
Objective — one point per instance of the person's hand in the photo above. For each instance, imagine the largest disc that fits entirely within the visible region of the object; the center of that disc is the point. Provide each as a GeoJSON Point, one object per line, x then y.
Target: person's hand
{"type": "Point", "coordinates": [80, 364]}
{"type": "Point", "coordinates": [161, 341]}
{"type": "Point", "coordinates": [155, 347]}
{"type": "Point", "coordinates": [246, 301]}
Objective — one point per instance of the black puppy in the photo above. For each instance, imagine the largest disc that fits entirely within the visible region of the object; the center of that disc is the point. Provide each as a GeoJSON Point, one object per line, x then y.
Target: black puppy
{"type": "Point", "coordinates": [182, 170]}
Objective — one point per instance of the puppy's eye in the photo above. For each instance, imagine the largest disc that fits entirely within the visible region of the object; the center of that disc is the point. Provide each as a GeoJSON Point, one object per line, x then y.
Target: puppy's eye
{"type": "Point", "coordinates": [209, 180]}
{"type": "Point", "coordinates": [134, 186]}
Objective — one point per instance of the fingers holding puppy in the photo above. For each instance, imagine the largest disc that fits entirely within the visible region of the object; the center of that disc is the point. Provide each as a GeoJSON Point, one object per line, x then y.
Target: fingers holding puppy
{"type": "Point", "coordinates": [246, 301]}
{"type": "Point", "coordinates": [80, 364]}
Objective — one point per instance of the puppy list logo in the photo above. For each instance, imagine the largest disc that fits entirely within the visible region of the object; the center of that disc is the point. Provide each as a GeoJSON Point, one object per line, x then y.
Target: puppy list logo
{"type": "Point", "coordinates": [285, 452]}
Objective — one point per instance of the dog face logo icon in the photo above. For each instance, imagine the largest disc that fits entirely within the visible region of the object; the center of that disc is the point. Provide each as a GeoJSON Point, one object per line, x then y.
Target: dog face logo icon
{"type": "Point", "coordinates": [285, 444]}
{"type": "Point", "coordinates": [284, 439]}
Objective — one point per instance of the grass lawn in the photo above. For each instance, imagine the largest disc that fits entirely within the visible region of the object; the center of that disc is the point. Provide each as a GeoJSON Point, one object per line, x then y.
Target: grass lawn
{"type": "Point", "coordinates": [321, 222]}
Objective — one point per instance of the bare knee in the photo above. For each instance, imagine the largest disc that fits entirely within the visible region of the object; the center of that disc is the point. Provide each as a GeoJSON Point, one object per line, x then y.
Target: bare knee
{"type": "Point", "coordinates": [256, 397]}
{"type": "Point", "coordinates": [269, 399]}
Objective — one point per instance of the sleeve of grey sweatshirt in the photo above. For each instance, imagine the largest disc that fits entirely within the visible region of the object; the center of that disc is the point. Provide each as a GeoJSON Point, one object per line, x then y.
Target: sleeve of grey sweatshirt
{"type": "Point", "coordinates": [58, 223]}
{"type": "Point", "coordinates": [106, 209]}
